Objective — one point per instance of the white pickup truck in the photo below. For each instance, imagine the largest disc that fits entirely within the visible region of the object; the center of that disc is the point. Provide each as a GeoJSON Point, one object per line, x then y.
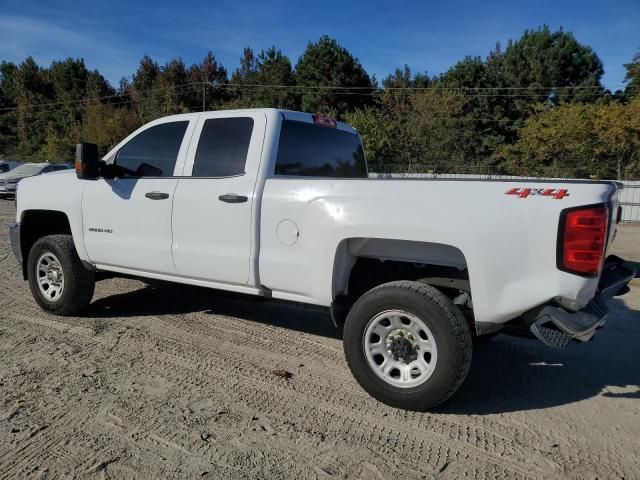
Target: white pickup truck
{"type": "Point", "coordinates": [280, 204]}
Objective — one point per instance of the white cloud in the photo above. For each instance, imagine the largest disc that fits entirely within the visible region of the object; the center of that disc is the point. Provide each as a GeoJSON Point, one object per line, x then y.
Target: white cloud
{"type": "Point", "coordinates": [45, 41]}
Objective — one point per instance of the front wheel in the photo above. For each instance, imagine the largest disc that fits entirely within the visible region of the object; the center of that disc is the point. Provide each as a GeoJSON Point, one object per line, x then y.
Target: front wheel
{"type": "Point", "coordinates": [59, 282]}
{"type": "Point", "coordinates": [407, 345]}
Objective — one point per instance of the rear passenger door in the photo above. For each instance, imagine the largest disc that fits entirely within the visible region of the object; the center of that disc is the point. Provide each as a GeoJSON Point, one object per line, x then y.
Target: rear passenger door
{"type": "Point", "coordinates": [214, 199]}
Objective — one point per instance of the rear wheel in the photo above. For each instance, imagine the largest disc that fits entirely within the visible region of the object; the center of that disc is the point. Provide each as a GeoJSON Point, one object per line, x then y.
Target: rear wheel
{"type": "Point", "coordinates": [59, 282]}
{"type": "Point", "coordinates": [407, 345]}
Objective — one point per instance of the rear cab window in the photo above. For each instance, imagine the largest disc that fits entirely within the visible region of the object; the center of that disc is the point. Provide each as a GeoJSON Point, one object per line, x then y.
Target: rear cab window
{"type": "Point", "coordinates": [310, 150]}
{"type": "Point", "coordinates": [223, 147]}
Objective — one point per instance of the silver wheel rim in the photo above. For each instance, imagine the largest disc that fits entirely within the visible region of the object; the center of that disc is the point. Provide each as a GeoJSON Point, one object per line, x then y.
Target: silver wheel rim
{"type": "Point", "coordinates": [50, 276]}
{"type": "Point", "coordinates": [400, 348]}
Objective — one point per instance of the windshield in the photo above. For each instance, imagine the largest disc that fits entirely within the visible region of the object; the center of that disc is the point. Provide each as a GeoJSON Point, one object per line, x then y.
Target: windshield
{"type": "Point", "coordinates": [27, 169]}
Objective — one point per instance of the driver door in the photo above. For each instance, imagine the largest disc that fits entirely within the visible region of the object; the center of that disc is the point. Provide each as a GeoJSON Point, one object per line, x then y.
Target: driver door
{"type": "Point", "coordinates": [127, 221]}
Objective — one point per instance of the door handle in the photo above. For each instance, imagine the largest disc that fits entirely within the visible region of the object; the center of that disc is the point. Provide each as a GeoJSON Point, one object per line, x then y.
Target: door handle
{"type": "Point", "coordinates": [157, 195]}
{"type": "Point", "coordinates": [232, 198]}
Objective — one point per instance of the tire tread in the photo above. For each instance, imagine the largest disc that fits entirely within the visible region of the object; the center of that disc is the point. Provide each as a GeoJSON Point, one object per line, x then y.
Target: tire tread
{"type": "Point", "coordinates": [455, 320]}
{"type": "Point", "coordinates": [82, 280]}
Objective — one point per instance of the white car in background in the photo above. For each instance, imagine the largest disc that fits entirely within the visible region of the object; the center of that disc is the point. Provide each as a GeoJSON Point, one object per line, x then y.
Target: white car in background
{"type": "Point", "coordinates": [7, 165]}
{"type": "Point", "coordinates": [9, 180]}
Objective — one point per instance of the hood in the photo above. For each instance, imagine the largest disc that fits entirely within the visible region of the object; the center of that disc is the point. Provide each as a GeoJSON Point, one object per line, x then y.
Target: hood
{"type": "Point", "coordinates": [12, 178]}
{"type": "Point", "coordinates": [63, 172]}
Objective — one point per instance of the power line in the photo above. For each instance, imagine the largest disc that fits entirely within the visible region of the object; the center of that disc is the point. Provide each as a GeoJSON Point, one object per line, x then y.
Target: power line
{"type": "Point", "coordinates": [132, 100]}
{"type": "Point", "coordinates": [44, 121]}
{"type": "Point", "coordinates": [432, 87]}
{"type": "Point", "coordinates": [102, 97]}
{"type": "Point", "coordinates": [551, 92]}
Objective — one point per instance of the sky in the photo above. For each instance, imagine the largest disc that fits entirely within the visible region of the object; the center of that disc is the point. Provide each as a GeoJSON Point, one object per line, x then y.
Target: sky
{"type": "Point", "coordinates": [113, 35]}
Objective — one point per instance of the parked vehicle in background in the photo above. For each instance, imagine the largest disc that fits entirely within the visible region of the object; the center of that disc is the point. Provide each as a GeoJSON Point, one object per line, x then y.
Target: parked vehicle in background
{"type": "Point", "coordinates": [7, 165]}
{"type": "Point", "coordinates": [279, 204]}
{"type": "Point", "coordinates": [10, 180]}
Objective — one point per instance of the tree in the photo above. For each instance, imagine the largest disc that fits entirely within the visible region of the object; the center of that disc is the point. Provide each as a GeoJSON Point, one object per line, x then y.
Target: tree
{"type": "Point", "coordinates": [106, 125]}
{"type": "Point", "coordinates": [263, 81]}
{"type": "Point", "coordinates": [243, 81]}
{"type": "Point", "coordinates": [212, 75]}
{"type": "Point", "coordinates": [70, 85]}
{"type": "Point", "coordinates": [378, 125]}
{"type": "Point", "coordinates": [579, 141]}
{"type": "Point", "coordinates": [558, 142]}
{"type": "Point", "coordinates": [617, 127]}
{"type": "Point", "coordinates": [274, 69]}
{"type": "Point", "coordinates": [489, 114]}
{"type": "Point", "coordinates": [410, 129]}
{"type": "Point", "coordinates": [632, 77]}
{"type": "Point", "coordinates": [378, 137]}
{"type": "Point", "coordinates": [8, 133]}
{"type": "Point", "coordinates": [31, 89]}
{"type": "Point", "coordinates": [159, 91]}
{"type": "Point", "coordinates": [141, 89]}
{"type": "Point", "coordinates": [403, 78]}
{"type": "Point", "coordinates": [541, 64]}
{"type": "Point", "coordinates": [331, 80]}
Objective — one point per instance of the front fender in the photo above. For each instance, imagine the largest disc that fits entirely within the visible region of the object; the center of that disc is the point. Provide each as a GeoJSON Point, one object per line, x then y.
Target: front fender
{"type": "Point", "coordinates": [57, 192]}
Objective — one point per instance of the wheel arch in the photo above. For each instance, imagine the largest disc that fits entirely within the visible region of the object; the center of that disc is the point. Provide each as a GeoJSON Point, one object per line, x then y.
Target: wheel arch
{"type": "Point", "coordinates": [37, 223]}
{"type": "Point", "coordinates": [364, 263]}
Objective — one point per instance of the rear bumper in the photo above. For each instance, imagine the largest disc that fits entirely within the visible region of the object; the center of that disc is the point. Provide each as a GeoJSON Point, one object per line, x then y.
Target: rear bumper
{"type": "Point", "coordinates": [556, 327]}
{"type": "Point", "coordinates": [14, 237]}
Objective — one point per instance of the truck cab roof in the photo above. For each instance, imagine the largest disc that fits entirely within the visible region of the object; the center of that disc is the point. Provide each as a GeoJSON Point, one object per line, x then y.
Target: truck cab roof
{"type": "Point", "coordinates": [287, 114]}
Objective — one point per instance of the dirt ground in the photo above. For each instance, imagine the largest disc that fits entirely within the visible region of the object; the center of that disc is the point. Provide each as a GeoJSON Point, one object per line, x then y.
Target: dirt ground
{"type": "Point", "coordinates": [157, 382]}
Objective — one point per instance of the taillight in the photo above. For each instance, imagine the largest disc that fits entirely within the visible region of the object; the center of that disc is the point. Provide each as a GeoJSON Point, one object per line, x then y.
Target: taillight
{"type": "Point", "coordinates": [582, 240]}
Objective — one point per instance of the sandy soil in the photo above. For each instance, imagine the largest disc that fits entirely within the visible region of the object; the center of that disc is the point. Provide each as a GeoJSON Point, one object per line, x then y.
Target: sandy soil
{"type": "Point", "coordinates": [179, 383]}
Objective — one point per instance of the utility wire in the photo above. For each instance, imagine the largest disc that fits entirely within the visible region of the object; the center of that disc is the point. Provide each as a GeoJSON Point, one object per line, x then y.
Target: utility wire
{"type": "Point", "coordinates": [343, 90]}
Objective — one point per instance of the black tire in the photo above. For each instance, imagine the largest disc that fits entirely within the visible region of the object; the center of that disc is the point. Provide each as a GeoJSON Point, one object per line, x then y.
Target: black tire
{"type": "Point", "coordinates": [447, 325]}
{"type": "Point", "coordinates": [79, 282]}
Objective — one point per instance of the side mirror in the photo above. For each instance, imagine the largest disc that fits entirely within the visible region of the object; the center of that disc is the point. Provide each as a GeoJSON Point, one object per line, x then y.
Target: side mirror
{"type": "Point", "coordinates": [87, 162]}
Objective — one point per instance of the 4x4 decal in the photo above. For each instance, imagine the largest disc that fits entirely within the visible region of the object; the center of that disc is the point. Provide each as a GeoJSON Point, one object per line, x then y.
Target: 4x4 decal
{"type": "Point", "coordinates": [557, 193]}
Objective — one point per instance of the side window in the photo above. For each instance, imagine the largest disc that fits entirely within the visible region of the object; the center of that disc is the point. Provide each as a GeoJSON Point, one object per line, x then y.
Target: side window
{"type": "Point", "coordinates": [223, 146]}
{"type": "Point", "coordinates": [306, 149]}
{"type": "Point", "coordinates": [153, 152]}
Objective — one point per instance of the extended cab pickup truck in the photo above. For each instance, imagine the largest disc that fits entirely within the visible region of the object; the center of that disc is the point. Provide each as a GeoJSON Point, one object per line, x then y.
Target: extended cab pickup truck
{"type": "Point", "coordinates": [280, 204]}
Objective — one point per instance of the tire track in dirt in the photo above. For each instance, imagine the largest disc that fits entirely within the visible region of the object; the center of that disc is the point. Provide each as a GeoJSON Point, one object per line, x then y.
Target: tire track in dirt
{"type": "Point", "coordinates": [208, 366]}
{"type": "Point", "coordinates": [324, 390]}
{"type": "Point", "coordinates": [261, 395]}
{"type": "Point", "coordinates": [210, 361]}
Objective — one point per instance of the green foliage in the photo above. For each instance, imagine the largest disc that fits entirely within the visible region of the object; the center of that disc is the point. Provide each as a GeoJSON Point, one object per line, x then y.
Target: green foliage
{"type": "Point", "coordinates": [322, 68]}
{"type": "Point", "coordinates": [263, 81]}
{"type": "Point", "coordinates": [105, 125]}
{"type": "Point", "coordinates": [542, 63]}
{"type": "Point", "coordinates": [158, 91]}
{"type": "Point", "coordinates": [632, 77]}
{"type": "Point", "coordinates": [536, 108]}
{"type": "Point", "coordinates": [8, 136]}
{"type": "Point", "coordinates": [579, 141]}
{"type": "Point", "coordinates": [490, 112]}
{"type": "Point", "coordinates": [412, 127]}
